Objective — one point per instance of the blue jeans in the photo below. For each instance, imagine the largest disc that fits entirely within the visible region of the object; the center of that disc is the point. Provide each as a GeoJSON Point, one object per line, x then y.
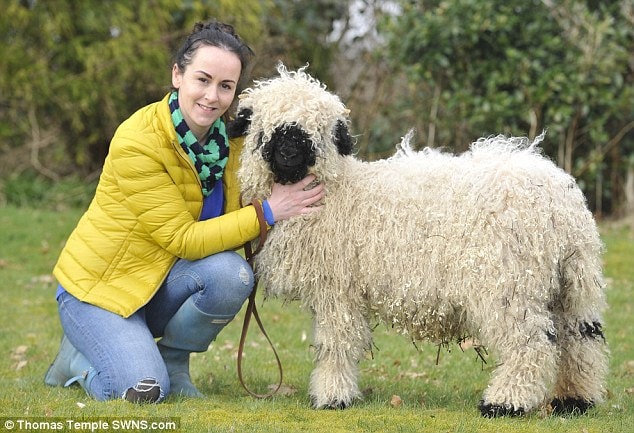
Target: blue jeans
{"type": "Point", "coordinates": [123, 350]}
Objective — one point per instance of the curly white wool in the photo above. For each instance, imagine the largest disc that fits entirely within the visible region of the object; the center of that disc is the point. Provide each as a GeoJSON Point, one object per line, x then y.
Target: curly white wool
{"type": "Point", "coordinates": [496, 243]}
{"type": "Point", "coordinates": [294, 98]}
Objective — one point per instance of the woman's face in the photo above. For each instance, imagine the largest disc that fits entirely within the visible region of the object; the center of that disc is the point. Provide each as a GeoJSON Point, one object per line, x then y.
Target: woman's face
{"type": "Point", "coordinates": [207, 87]}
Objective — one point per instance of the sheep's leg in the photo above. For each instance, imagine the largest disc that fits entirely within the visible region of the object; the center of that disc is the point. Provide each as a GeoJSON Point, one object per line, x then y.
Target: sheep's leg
{"type": "Point", "coordinates": [583, 366]}
{"type": "Point", "coordinates": [584, 355]}
{"type": "Point", "coordinates": [341, 338]}
{"type": "Point", "coordinates": [528, 361]}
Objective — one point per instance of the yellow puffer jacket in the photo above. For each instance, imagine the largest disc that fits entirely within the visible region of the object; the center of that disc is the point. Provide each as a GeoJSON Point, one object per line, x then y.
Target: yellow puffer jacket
{"type": "Point", "coordinates": [145, 215]}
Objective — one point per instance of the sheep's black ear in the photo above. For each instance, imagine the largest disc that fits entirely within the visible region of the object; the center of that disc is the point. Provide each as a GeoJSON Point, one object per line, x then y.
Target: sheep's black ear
{"type": "Point", "coordinates": [342, 138]}
{"type": "Point", "coordinates": [240, 125]}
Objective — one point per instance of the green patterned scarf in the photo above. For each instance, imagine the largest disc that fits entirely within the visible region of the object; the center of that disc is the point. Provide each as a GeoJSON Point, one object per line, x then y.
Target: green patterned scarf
{"type": "Point", "coordinates": [211, 157]}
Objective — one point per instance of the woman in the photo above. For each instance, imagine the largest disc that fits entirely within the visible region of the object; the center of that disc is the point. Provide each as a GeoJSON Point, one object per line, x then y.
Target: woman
{"type": "Point", "coordinates": [152, 256]}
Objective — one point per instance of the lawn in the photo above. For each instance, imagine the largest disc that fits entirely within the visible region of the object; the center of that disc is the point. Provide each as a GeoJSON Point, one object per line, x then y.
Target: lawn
{"type": "Point", "coordinates": [406, 388]}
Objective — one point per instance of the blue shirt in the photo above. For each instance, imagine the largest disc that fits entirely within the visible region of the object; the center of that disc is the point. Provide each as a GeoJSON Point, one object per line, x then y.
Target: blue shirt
{"type": "Point", "coordinates": [214, 203]}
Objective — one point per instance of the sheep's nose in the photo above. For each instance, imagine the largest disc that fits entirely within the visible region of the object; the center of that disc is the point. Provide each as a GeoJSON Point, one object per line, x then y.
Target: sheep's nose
{"type": "Point", "coordinates": [288, 156]}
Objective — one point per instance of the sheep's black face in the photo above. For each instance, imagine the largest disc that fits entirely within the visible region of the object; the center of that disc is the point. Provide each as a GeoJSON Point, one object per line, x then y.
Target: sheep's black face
{"type": "Point", "coordinates": [289, 154]}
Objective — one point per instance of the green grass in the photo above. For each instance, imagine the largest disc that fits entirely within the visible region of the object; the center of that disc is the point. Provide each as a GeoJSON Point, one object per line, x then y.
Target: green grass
{"type": "Point", "coordinates": [435, 397]}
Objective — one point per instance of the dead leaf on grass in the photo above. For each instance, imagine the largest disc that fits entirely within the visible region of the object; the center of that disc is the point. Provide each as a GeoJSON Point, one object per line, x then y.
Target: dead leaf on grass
{"type": "Point", "coordinates": [285, 390]}
{"type": "Point", "coordinates": [18, 356]}
{"type": "Point", "coordinates": [545, 411]}
{"type": "Point", "coordinates": [46, 280]}
{"type": "Point", "coordinates": [396, 401]}
{"type": "Point", "coordinates": [228, 345]}
{"type": "Point", "coordinates": [411, 375]}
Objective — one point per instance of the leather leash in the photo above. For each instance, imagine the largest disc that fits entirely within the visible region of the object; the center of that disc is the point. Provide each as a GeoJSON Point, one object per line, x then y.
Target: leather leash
{"type": "Point", "coordinates": [251, 308]}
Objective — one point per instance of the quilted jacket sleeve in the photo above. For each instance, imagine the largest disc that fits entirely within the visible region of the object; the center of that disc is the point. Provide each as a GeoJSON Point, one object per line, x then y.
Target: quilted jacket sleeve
{"type": "Point", "coordinates": [162, 192]}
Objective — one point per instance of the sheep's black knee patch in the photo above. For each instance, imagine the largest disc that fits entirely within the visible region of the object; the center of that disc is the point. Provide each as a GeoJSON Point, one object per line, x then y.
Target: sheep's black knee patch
{"type": "Point", "coordinates": [591, 330]}
{"type": "Point", "coordinates": [146, 391]}
{"type": "Point", "coordinates": [498, 410]}
{"type": "Point", "coordinates": [570, 406]}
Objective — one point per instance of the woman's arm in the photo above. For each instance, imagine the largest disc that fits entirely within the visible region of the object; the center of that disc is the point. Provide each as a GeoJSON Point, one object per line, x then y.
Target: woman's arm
{"type": "Point", "coordinates": [153, 197]}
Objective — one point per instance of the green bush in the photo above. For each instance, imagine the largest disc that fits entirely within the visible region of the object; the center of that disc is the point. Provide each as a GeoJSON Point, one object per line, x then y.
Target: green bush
{"type": "Point", "coordinates": [30, 189]}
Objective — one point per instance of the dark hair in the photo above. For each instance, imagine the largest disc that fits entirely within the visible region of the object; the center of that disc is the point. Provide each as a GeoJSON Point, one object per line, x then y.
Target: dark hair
{"type": "Point", "coordinates": [219, 35]}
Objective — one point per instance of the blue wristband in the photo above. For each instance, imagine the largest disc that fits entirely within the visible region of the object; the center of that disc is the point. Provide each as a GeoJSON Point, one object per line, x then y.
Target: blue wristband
{"type": "Point", "coordinates": [268, 213]}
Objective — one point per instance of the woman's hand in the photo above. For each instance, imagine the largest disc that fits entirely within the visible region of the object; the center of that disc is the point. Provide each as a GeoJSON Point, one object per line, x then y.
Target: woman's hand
{"type": "Point", "coordinates": [287, 201]}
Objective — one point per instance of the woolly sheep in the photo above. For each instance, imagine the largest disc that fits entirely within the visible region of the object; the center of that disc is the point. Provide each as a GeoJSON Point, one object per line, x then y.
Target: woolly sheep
{"type": "Point", "coordinates": [496, 244]}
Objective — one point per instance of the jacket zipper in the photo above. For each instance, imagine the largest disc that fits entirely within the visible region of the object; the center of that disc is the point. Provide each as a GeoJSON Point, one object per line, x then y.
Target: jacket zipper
{"type": "Point", "coordinates": [188, 161]}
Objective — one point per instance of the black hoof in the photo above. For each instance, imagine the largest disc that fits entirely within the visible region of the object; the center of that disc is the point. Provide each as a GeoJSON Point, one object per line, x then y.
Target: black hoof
{"type": "Point", "coordinates": [498, 410]}
{"type": "Point", "coordinates": [337, 405]}
{"type": "Point", "coordinates": [570, 406]}
{"type": "Point", "coordinates": [333, 405]}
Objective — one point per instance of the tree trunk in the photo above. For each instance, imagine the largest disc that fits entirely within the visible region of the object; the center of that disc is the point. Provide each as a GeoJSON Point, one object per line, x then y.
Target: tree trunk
{"type": "Point", "coordinates": [629, 191]}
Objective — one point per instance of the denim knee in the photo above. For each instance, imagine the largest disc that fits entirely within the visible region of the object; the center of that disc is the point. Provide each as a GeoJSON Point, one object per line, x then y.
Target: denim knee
{"type": "Point", "coordinates": [228, 283]}
{"type": "Point", "coordinates": [145, 391]}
